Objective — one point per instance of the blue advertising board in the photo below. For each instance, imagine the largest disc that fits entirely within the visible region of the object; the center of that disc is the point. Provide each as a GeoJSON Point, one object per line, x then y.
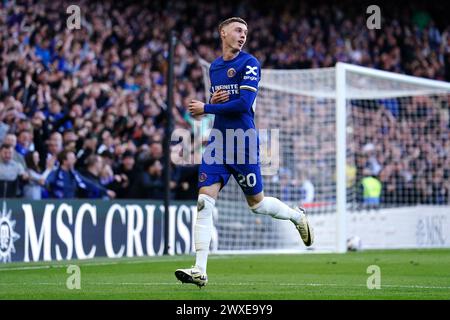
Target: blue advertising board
{"type": "Point", "coordinates": [78, 229]}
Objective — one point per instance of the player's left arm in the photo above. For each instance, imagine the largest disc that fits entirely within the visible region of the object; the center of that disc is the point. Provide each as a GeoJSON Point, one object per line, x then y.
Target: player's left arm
{"type": "Point", "coordinates": [248, 89]}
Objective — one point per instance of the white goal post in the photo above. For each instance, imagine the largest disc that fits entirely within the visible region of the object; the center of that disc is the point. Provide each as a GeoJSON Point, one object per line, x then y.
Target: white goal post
{"type": "Point", "coordinates": [337, 126]}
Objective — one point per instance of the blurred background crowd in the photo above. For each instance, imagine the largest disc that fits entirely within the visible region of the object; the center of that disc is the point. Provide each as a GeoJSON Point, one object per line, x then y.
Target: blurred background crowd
{"type": "Point", "coordinates": [403, 150]}
{"type": "Point", "coordinates": [82, 112]}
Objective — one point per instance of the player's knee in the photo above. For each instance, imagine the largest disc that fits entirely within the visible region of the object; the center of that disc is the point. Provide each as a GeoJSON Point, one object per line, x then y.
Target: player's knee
{"type": "Point", "coordinates": [259, 208]}
{"type": "Point", "coordinates": [211, 190]}
{"type": "Point", "coordinates": [205, 206]}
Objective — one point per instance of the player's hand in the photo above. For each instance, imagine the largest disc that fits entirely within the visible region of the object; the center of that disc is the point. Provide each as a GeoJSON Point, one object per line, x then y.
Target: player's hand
{"type": "Point", "coordinates": [25, 176]}
{"type": "Point", "coordinates": [50, 163]}
{"type": "Point", "coordinates": [196, 108]}
{"type": "Point", "coordinates": [220, 96]}
{"type": "Point", "coordinates": [111, 194]}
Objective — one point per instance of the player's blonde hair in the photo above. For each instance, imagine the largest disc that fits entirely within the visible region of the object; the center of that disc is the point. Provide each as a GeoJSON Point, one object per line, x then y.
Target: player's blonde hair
{"type": "Point", "coordinates": [231, 20]}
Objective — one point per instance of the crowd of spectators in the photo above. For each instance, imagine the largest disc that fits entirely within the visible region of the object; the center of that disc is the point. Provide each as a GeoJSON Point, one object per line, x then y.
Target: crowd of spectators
{"type": "Point", "coordinates": [405, 145]}
{"type": "Point", "coordinates": [82, 112]}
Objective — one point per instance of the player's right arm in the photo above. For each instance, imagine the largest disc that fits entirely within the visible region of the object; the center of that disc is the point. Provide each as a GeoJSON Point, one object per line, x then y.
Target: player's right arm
{"type": "Point", "coordinates": [219, 96]}
{"type": "Point", "coordinates": [243, 104]}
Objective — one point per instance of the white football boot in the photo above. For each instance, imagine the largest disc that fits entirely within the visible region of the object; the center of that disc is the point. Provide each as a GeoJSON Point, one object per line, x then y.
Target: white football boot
{"type": "Point", "coordinates": [303, 227]}
{"type": "Point", "coordinates": [192, 275]}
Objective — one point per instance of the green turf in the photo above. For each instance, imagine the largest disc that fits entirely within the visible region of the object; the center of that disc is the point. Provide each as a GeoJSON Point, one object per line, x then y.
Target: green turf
{"type": "Point", "coordinates": [405, 274]}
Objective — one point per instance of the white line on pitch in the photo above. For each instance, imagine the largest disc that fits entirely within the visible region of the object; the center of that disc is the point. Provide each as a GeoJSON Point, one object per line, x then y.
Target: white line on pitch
{"type": "Point", "coordinates": [25, 268]}
{"type": "Point", "coordinates": [89, 264]}
{"type": "Point", "coordinates": [233, 284]}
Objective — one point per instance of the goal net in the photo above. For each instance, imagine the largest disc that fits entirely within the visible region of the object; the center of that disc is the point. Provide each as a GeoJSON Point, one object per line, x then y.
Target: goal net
{"type": "Point", "coordinates": [349, 144]}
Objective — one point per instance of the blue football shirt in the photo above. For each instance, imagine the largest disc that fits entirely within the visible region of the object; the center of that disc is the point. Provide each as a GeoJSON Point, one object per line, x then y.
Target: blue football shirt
{"type": "Point", "coordinates": [240, 77]}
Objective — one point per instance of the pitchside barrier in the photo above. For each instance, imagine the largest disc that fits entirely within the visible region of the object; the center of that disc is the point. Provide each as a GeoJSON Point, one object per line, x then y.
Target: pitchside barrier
{"type": "Point", "coordinates": [76, 229]}
{"type": "Point", "coordinates": [395, 228]}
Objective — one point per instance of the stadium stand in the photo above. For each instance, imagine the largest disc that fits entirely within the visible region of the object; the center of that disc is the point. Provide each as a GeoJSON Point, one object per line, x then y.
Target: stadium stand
{"type": "Point", "coordinates": [101, 90]}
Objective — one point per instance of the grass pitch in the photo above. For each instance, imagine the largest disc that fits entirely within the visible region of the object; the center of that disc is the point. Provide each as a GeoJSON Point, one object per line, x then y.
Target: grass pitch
{"type": "Point", "coordinates": [405, 274]}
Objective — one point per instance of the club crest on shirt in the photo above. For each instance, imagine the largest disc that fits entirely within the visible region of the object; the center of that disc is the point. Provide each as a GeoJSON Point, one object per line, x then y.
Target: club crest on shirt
{"type": "Point", "coordinates": [231, 73]}
{"type": "Point", "coordinates": [202, 177]}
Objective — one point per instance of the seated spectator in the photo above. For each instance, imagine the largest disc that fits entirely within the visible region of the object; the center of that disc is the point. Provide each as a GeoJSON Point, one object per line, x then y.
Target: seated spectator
{"type": "Point", "coordinates": [10, 173]}
{"type": "Point", "coordinates": [70, 139]}
{"type": "Point", "coordinates": [187, 184]}
{"type": "Point", "coordinates": [128, 171]}
{"type": "Point", "coordinates": [149, 184]}
{"type": "Point", "coordinates": [55, 115]}
{"type": "Point", "coordinates": [24, 142]}
{"type": "Point", "coordinates": [107, 142]}
{"type": "Point", "coordinates": [88, 149]}
{"type": "Point", "coordinates": [11, 140]}
{"type": "Point", "coordinates": [108, 158]}
{"type": "Point", "coordinates": [156, 150]}
{"type": "Point", "coordinates": [55, 143]}
{"type": "Point", "coordinates": [65, 182]}
{"type": "Point", "coordinates": [94, 165]}
{"type": "Point", "coordinates": [114, 182]}
{"type": "Point", "coordinates": [3, 126]}
{"type": "Point", "coordinates": [34, 188]}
